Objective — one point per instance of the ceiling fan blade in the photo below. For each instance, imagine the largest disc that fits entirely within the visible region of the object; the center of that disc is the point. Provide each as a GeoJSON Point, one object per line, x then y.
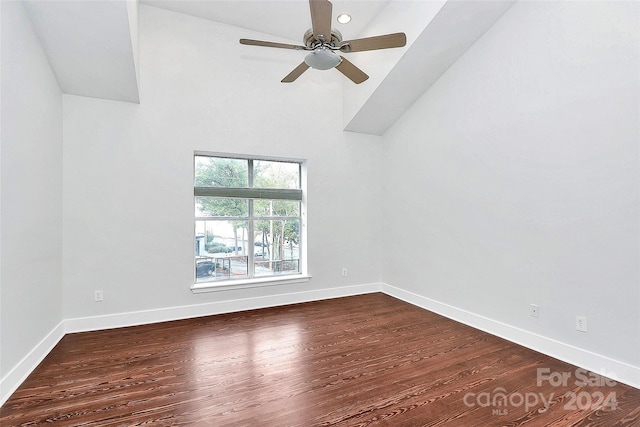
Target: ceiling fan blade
{"type": "Point", "coordinates": [372, 43]}
{"type": "Point", "coordinates": [297, 72]}
{"type": "Point", "coordinates": [351, 71]}
{"type": "Point", "coordinates": [321, 19]}
{"type": "Point", "coordinates": [271, 44]}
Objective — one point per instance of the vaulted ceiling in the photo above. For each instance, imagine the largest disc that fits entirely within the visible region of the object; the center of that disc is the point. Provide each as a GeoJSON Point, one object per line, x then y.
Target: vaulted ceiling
{"type": "Point", "coordinates": [287, 19]}
{"type": "Point", "coordinates": [92, 45]}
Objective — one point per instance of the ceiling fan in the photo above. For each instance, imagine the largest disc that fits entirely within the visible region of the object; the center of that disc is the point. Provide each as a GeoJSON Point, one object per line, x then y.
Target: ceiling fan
{"type": "Point", "coordinates": [323, 42]}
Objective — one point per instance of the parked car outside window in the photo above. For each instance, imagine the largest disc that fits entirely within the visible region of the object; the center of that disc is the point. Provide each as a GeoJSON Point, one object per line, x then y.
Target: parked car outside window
{"type": "Point", "coordinates": [205, 268]}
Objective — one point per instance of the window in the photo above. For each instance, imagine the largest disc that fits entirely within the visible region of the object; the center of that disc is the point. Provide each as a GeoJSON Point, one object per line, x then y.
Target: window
{"type": "Point", "coordinates": [248, 218]}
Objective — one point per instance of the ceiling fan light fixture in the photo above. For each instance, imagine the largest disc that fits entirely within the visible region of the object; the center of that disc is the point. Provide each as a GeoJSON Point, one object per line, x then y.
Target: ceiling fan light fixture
{"type": "Point", "coordinates": [344, 18]}
{"type": "Point", "coordinates": [322, 59]}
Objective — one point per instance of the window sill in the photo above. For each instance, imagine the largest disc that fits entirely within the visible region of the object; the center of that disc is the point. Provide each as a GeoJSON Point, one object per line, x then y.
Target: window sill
{"type": "Point", "coordinates": [202, 287]}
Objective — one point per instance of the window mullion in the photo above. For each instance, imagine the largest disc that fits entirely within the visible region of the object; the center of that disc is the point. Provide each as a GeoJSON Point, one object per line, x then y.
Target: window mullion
{"type": "Point", "coordinates": [251, 236]}
{"type": "Point", "coordinates": [250, 243]}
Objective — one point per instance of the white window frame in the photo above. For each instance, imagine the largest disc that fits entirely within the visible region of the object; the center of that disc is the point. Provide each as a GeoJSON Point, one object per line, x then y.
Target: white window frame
{"type": "Point", "coordinates": [252, 193]}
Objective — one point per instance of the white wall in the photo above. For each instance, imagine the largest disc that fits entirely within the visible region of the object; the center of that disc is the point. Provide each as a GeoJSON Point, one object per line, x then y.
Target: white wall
{"type": "Point", "coordinates": [128, 204]}
{"type": "Point", "coordinates": [516, 179]}
{"type": "Point", "coordinates": [31, 230]}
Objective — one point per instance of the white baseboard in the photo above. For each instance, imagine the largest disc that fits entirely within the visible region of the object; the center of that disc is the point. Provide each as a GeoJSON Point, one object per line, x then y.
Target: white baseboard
{"type": "Point", "coordinates": [117, 320]}
{"type": "Point", "coordinates": [593, 362]}
{"type": "Point", "coordinates": [12, 380]}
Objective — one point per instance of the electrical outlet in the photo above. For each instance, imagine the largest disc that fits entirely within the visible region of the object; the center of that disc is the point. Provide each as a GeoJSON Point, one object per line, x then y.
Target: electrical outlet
{"type": "Point", "coordinates": [534, 310]}
{"type": "Point", "coordinates": [344, 271]}
{"type": "Point", "coordinates": [98, 296]}
{"type": "Point", "coordinates": [581, 323]}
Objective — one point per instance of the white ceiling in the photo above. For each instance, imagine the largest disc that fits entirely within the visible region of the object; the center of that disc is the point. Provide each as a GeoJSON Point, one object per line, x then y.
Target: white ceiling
{"type": "Point", "coordinates": [287, 19]}
{"type": "Point", "coordinates": [454, 29]}
{"type": "Point", "coordinates": [89, 46]}
{"type": "Point", "coordinates": [92, 44]}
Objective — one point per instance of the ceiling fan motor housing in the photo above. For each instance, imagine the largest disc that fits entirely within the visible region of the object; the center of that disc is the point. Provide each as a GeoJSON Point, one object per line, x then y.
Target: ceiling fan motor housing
{"type": "Point", "coordinates": [311, 42]}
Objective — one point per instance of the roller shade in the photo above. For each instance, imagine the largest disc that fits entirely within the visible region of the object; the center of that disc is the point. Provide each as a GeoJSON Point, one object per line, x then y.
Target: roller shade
{"type": "Point", "coordinates": [249, 193]}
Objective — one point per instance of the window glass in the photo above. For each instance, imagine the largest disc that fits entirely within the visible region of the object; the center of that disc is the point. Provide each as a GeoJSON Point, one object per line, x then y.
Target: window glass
{"type": "Point", "coordinates": [277, 247]}
{"type": "Point", "coordinates": [223, 246]}
{"type": "Point", "coordinates": [267, 208]}
{"type": "Point", "coordinates": [221, 172]}
{"type": "Point", "coordinates": [269, 174]}
{"type": "Point", "coordinates": [221, 207]}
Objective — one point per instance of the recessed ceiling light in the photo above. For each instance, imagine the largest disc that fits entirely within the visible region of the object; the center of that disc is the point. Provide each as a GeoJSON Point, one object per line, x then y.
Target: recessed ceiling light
{"type": "Point", "coordinates": [344, 18]}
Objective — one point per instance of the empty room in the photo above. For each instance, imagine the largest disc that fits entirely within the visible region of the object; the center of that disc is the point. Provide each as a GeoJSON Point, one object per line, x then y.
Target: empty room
{"type": "Point", "coordinates": [320, 213]}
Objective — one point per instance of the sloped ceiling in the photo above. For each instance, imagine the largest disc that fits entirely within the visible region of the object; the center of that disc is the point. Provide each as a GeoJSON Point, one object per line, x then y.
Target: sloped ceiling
{"type": "Point", "coordinates": [287, 19]}
{"type": "Point", "coordinates": [92, 44]}
{"type": "Point", "coordinates": [452, 31]}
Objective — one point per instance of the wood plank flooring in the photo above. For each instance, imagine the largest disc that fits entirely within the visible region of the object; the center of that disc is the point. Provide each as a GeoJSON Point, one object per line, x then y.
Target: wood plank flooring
{"type": "Point", "coordinates": [369, 360]}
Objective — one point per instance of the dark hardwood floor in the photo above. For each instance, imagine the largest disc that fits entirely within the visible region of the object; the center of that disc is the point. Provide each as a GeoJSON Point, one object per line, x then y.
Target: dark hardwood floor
{"type": "Point", "coordinates": [368, 360]}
